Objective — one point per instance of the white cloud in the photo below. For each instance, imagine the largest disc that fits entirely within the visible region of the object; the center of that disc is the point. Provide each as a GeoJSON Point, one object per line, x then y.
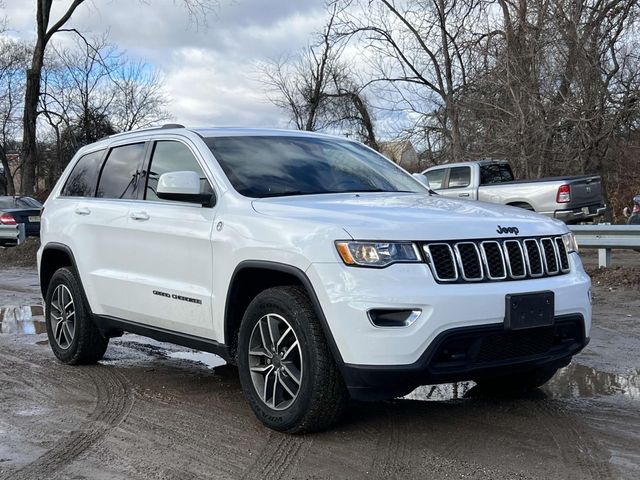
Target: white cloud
{"type": "Point", "coordinates": [209, 72]}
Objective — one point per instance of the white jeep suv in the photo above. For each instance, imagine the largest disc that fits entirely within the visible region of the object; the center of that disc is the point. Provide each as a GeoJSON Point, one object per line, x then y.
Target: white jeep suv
{"type": "Point", "coordinates": [320, 268]}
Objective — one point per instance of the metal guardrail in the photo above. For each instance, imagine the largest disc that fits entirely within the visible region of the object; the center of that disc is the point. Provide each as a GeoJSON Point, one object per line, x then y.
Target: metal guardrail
{"type": "Point", "coordinates": [12, 232]}
{"type": "Point", "coordinates": [606, 237]}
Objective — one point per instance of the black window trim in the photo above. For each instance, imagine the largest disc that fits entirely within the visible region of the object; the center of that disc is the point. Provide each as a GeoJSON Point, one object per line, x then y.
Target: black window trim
{"type": "Point", "coordinates": [109, 149]}
{"type": "Point", "coordinates": [147, 164]}
{"type": "Point", "coordinates": [103, 150]}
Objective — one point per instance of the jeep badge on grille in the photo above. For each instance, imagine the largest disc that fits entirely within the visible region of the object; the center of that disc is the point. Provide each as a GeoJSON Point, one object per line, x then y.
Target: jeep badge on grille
{"type": "Point", "coordinates": [513, 230]}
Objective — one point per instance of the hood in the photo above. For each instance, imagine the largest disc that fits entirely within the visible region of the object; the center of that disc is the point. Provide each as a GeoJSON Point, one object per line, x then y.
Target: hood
{"type": "Point", "coordinates": [409, 216]}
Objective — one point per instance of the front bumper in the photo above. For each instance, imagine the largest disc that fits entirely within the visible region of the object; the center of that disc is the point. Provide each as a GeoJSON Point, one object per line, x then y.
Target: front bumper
{"type": "Point", "coordinates": [347, 294]}
{"type": "Point", "coordinates": [471, 353]}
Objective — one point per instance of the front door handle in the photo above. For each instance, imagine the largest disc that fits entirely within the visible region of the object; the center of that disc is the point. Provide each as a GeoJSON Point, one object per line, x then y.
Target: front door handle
{"type": "Point", "coordinates": [463, 194]}
{"type": "Point", "coordinates": [83, 211]}
{"type": "Point", "coordinates": [139, 216]}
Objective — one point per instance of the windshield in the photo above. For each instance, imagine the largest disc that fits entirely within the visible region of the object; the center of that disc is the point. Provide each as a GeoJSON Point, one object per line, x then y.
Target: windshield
{"type": "Point", "coordinates": [271, 166]}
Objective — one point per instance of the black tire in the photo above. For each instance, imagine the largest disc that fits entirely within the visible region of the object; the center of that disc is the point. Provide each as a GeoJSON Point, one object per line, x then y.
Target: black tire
{"type": "Point", "coordinates": [518, 382]}
{"type": "Point", "coordinates": [321, 395]}
{"type": "Point", "coordinates": [87, 344]}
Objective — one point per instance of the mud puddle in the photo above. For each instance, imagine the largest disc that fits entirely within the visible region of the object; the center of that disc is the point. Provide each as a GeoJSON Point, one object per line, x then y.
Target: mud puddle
{"type": "Point", "coordinates": [25, 320]}
{"type": "Point", "coordinates": [574, 381]}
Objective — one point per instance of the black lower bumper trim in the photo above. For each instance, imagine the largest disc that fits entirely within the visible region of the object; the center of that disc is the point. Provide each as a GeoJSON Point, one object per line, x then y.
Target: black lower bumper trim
{"type": "Point", "coordinates": [471, 353]}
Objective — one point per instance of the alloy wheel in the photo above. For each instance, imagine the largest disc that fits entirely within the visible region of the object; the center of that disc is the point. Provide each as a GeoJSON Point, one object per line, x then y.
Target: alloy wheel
{"type": "Point", "coordinates": [62, 316]}
{"type": "Point", "coordinates": [275, 361]}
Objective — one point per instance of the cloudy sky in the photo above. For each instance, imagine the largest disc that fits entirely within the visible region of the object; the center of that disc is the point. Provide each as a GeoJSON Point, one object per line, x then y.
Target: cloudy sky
{"type": "Point", "coordinates": [209, 71]}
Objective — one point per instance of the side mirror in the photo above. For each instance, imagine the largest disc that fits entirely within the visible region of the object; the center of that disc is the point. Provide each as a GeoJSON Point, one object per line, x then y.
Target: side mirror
{"type": "Point", "coordinates": [422, 178]}
{"type": "Point", "coordinates": [182, 187]}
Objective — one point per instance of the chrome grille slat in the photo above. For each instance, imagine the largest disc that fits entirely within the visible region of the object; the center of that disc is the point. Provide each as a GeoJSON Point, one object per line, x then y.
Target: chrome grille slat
{"type": "Point", "coordinates": [493, 260]}
{"type": "Point", "coordinates": [469, 261]}
{"type": "Point", "coordinates": [516, 261]}
{"type": "Point", "coordinates": [496, 260]}
{"type": "Point", "coordinates": [533, 257]}
{"type": "Point", "coordinates": [550, 257]}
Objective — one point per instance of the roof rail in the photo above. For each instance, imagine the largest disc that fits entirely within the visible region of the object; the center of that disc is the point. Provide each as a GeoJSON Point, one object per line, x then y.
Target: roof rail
{"type": "Point", "coordinates": [161, 127]}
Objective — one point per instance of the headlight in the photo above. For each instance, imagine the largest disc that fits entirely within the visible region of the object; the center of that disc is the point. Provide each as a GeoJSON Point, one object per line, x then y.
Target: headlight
{"type": "Point", "coordinates": [377, 254]}
{"type": "Point", "coordinates": [570, 243]}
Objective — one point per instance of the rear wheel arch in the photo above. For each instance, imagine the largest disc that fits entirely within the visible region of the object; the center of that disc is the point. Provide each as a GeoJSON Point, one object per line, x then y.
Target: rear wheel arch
{"type": "Point", "coordinates": [254, 276]}
{"type": "Point", "coordinates": [54, 257]}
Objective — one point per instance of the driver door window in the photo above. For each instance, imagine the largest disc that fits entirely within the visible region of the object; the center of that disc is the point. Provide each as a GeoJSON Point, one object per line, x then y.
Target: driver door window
{"type": "Point", "coordinates": [172, 156]}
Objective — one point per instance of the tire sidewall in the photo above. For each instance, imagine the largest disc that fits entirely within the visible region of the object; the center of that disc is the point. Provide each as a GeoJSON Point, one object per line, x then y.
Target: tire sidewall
{"type": "Point", "coordinates": [274, 301]}
{"type": "Point", "coordinates": [66, 277]}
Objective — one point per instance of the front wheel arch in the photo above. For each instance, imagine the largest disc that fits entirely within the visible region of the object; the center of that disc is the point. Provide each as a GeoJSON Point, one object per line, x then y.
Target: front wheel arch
{"type": "Point", "coordinates": [254, 276]}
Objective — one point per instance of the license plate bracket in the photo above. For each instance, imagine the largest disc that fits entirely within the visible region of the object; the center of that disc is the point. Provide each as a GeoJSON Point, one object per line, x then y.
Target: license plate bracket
{"type": "Point", "coordinates": [529, 310]}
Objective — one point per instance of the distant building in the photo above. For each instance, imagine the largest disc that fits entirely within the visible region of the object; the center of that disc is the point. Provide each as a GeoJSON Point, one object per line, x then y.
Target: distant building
{"type": "Point", "coordinates": [402, 153]}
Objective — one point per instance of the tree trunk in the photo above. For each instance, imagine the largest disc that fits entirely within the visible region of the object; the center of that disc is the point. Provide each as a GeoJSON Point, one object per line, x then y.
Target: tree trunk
{"type": "Point", "coordinates": [29, 141]}
{"type": "Point", "coordinates": [8, 177]}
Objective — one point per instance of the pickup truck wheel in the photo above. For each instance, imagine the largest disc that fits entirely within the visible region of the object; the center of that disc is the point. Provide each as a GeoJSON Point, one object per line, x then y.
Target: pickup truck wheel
{"type": "Point", "coordinates": [73, 336]}
{"type": "Point", "coordinates": [286, 369]}
{"type": "Point", "coordinates": [519, 382]}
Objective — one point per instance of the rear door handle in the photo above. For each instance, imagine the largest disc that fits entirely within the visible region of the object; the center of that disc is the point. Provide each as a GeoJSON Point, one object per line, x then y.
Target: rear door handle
{"type": "Point", "coordinates": [140, 216]}
{"type": "Point", "coordinates": [83, 211]}
{"type": "Point", "coordinates": [463, 194]}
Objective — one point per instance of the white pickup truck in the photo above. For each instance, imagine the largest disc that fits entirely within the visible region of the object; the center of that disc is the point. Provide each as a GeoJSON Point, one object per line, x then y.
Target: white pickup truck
{"type": "Point", "coordinates": [570, 199]}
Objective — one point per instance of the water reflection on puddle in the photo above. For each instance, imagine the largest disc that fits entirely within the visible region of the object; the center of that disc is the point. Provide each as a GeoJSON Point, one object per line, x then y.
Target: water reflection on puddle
{"type": "Point", "coordinates": [574, 381]}
{"type": "Point", "coordinates": [208, 359]}
{"type": "Point", "coordinates": [25, 320]}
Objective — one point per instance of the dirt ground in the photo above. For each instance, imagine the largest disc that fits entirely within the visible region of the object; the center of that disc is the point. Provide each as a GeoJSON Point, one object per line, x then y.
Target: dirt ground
{"type": "Point", "coordinates": [154, 411]}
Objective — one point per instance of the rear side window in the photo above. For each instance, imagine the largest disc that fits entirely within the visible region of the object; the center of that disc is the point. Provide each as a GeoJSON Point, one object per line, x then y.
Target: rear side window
{"type": "Point", "coordinates": [459, 177]}
{"type": "Point", "coordinates": [495, 173]}
{"type": "Point", "coordinates": [120, 173]}
{"type": "Point", "coordinates": [84, 176]}
{"type": "Point", "coordinates": [171, 156]}
{"type": "Point", "coordinates": [435, 178]}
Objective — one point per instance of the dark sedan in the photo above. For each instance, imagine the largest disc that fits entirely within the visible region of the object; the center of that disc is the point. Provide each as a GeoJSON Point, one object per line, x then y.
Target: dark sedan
{"type": "Point", "coordinates": [15, 210]}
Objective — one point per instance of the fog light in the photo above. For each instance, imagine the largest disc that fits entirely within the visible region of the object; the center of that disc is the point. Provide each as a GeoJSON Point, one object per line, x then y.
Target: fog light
{"type": "Point", "coordinates": [393, 318]}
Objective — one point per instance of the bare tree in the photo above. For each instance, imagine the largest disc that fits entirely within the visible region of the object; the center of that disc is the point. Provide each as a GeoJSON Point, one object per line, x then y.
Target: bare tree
{"type": "Point", "coordinates": [13, 59]}
{"type": "Point", "coordinates": [417, 53]}
{"type": "Point", "coordinates": [46, 28]}
{"type": "Point", "coordinates": [318, 90]}
{"type": "Point", "coordinates": [139, 100]}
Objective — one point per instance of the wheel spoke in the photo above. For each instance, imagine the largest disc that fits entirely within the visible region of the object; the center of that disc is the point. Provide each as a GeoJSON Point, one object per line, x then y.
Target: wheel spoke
{"type": "Point", "coordinates": [57, 332]}
{"type": "Point", "coordinates": [283, 336]}
{"type": "Point", "coordinates": [56, 306]}
{"type": "Point", "coordinates": [261, 352]}
{"type": "Point", "coordinates": [266, 384]}
{"type": "Point", "coordinates": [290, 349]}
{"type": "Point", "coordinates": [70, 303]}
{"type": "Point", "coordinates": [68, 334]}
{"type": "Point", "coordinates": [264, 337]}
{"type": "Point", "coordinates": [283, 382]}
{"type": "Point", "coordinates": [275, 386]}
{"type": "Point", "coordinates": [261, 368]}
{"type": "Point", "coordinates": [292, 371]}
{"type": "Point", "coordinates": [274, 334]}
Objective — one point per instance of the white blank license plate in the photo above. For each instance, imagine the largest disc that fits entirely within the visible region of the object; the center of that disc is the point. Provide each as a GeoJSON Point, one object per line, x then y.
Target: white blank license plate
{"type": "Point", "coordinates": [34, 218]}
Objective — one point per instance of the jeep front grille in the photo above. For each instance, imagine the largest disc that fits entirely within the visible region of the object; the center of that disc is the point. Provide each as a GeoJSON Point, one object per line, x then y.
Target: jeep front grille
{"type": "Point", "coordinates": [496, 260]}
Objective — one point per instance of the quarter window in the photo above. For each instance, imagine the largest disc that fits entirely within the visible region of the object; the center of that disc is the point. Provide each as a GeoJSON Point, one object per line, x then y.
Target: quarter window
{"type": "Point", "coordinates": [171, 156]}
{"type": "Point", "coordinates": [84, 176]}
{"type": "Point", "coordinates": [119, 177]}
{"type": "Point", "coordinates": [459, 177]}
